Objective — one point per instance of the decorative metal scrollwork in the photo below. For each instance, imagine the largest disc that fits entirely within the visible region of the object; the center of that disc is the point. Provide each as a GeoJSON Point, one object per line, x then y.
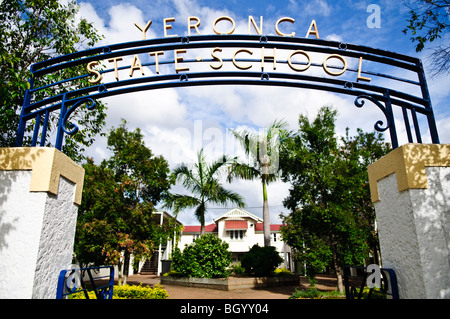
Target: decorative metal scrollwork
{"type": "Point", "coordinates": [73, 128]}
{"type": "Point", "coordinates": [357, 285]}
{"type": "Point", "coordinates": [41, 99]}
{"type": "Point", "coordinates": [184, 77]}
{"type": "Point", "coordinates": [343, 46]}
{"type": "Point", "coordinates": [71, 282]}
{"type": "Point", "coordinates": [378, 125]}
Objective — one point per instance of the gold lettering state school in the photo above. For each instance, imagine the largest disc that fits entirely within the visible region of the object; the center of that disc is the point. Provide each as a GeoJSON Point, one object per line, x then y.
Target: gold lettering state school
{"type": "Point", "coordinates": [217, 64]}
{"type": "Point", "coordinates": [227, 27]}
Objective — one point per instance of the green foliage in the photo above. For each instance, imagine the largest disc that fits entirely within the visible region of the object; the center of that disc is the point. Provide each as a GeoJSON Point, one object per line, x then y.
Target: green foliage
{"type": "Point", "coordinates": [207, 257]}
{"type": "Point", "coordinates": [428, 17]}
{"type": "Point", "coordinates": [119, 195]}
{"type": "Point", "coordinates": [33, 31]}
{"type": "Point", "coordinates": [263, 161]}
{"type": "Point", "coordinates": [428, 21]}
{"type": "Point", "coordinates": [203, 181]}
{"type": "Point", "coordinates": [314, 293]}
{"type": "Point", "coordinates": [261, 261]}
{"type": "Point", "coordinates": [375, 294]}
{"type": "Point", "coordinates": [282, 272]}
{"type": "Point", "coordinates": [173, 273]}
{"type": "Point", "coordinates": [139, 292]}
{"type": "Point", "coordinates": [309, 293]}
{"type": "Point", "coordinates": [332, 218]}
{"type": "Point", "coordinates": [237, 269]}
{"type": "Point", "coordinates": [262, 151]}
{"type": "Point", "coordinates": [131, 292]}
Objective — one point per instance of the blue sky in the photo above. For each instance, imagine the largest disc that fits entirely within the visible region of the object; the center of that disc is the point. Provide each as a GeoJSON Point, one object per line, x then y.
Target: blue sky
{"type": "Point", "coordinates": [178, 122]}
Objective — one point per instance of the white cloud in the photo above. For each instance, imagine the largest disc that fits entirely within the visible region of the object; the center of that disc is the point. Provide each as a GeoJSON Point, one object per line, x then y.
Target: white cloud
{"type": "Point", "coordinates": [120, 26]}
{"type": "Point", "coordinates": [334, 37]}
{"type": "Point", "coordinates": [312, 8]}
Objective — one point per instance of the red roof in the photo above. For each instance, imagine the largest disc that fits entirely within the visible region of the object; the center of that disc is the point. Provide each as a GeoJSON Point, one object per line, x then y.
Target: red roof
{"type": "Point", "coordinates": [235, 224]}
{"type": "Point", "coordinates": [260, 227]}
{"type": "Point", "coordinates": [211, 228]}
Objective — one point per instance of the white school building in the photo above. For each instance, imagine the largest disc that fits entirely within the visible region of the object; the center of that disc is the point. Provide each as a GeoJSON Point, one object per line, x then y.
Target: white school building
{"type": "Point", "coordinates": [241, 230]}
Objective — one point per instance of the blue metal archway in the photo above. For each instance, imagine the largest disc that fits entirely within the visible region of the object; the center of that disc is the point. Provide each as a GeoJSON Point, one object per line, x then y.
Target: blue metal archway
{"type": "Point", "coordinates": [363, 82]}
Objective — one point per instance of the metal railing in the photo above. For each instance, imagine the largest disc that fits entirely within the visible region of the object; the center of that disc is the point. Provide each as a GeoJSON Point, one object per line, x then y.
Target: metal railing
{"type": "Point", "coordinates": [46, 97]}
{"type": "Point", "coordinates": [71, 282]}
{"type": "Point", "coordinates": [362, 283]}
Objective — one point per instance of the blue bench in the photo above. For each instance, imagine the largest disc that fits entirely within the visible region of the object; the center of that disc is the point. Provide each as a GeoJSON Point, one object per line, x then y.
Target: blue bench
{"type": "Point", "coordinates": [71, 282]}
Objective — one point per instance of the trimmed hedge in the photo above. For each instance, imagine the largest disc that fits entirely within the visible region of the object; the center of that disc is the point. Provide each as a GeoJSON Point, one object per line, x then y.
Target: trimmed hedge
{"type": "Point", "coordinates": [207, 257]}
{"type": "Point", "coordinates": [131, 292]}
{"type": "Point", "coordinates": [261, 261]}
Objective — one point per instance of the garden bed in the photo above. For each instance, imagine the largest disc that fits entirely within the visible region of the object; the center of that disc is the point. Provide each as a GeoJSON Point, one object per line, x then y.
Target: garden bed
{"type": "Point", "coordinates": [231, 283]}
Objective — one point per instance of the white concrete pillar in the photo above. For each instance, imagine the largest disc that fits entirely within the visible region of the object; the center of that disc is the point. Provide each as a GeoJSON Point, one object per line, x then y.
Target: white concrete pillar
{"type": "Point", "coordinates": [410, 188]}
{"type": "Point", "coordinates": [40, 190]}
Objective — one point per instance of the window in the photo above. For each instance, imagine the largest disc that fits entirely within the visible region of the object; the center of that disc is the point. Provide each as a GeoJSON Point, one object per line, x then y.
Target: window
{"type": "Point", "coordinates": [236, 234]}
{"type": "Point", "coordinates": [195, 236]}
{"type": "Point", "coordinates": [274, 237]}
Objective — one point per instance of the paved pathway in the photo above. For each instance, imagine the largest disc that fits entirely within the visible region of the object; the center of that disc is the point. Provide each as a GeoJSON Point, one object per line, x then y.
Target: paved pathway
{"type": "Point", "coordinates": [178, 292]}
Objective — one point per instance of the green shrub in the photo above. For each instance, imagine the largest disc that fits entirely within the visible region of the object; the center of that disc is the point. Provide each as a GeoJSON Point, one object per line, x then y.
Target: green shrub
{"type": "Point", "coordinates": [80, 295]}
{"type": "Point", "coordinates": [173, 273]}
{"type": "Point", "coordinates": [139, 292]}
{"type": "Point", "coordinates": [261, 261]}
{"type": "Point", "coordinates": [282, 272]}
{"type": "Point", "coordinates": [207, 257]}
{"type": "Point", "coordinates": [376, 294]}
{"type": "Point", "coordinates": [309, 293]}
{"type": "Point", "coordinates": [131, 292]}
{"type": "Point", "coordinates": [237, 269]}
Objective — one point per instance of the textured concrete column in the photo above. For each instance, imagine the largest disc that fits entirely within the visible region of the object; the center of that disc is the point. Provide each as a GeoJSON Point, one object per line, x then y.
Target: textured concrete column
{"type": "Point", "coordinates": [410, 188]}
{"type": "Point", "coordinates": [40, 190]}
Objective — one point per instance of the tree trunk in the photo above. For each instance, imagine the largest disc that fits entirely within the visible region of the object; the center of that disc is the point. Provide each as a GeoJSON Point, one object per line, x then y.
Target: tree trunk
{"type": "Point", "coordinates": [201, 217]}
{"type": "Point", "coordinates": [120, 275]}
{"type": "Point", "coordinates": [126, 267]}
{"type": "Point", "coordinates": [338, 270]}
{"type": "Point", "coordinates": [339, 279]}
{"type": "Point", "coordinates": [266, 217]}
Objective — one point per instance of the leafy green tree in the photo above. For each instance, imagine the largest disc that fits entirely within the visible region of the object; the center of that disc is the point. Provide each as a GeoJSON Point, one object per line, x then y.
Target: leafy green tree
{"type": "Point", "coordinates": [119, 196]}
{"type": "Point", "coordinates": [263, 150]}
{"type": "Point", "coordinates": [428, 20]}
{"type": "Point", "coordinates": [203, 181]}
{"type": "Point", "coordinates": [261, 261]}
{"type": "Point", "coordinates": [33, 31]}
{"type": "Point", "coordinates": [207, 257]}
{"type": "Point", "coordinates": [98, 217]}
{"type": "Point", "coordinates": [332, 219]}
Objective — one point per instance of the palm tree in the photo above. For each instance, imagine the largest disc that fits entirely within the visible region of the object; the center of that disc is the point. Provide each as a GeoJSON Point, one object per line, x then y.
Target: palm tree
{"type": "Point", "coordinates": [263, 150]}
{"type": "Point", "coordinates": [203, 182]}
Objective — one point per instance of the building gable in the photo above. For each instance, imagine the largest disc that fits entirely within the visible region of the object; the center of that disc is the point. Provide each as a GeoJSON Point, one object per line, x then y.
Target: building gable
{"type": "Point", "coordinates": [238, 214]}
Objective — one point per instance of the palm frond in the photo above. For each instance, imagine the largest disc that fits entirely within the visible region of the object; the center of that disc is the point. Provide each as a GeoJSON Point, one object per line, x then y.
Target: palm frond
{"type": "Point", "coordinates": [215, 169]}
{"type": "Point", "coordinates": [178, 202]}
{"type": "Point", "coordinates": [200, 213]}
{"type": "Point", "coordinates": [242, 170]}
{"type": "Point", "coordinates": [224, 196]}
{"type": "Point", "coordinates": [186, 177]}
{"type": "Point", "coordinates": [202, 180]}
